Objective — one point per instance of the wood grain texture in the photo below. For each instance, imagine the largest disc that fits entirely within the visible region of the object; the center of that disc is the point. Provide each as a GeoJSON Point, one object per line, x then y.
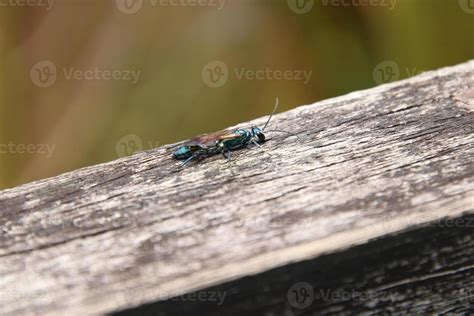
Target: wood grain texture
{"type": "Point", "coordinates": [135, 230]}
{"type": "Point", "coordinates": [424, 271]}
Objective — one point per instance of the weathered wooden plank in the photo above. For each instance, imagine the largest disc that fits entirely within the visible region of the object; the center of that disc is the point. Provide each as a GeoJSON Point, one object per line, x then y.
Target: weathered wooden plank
{"type": "Point", "coordinates": [425, 271]}
{"type": "Point", "coordinates": [134, 230]}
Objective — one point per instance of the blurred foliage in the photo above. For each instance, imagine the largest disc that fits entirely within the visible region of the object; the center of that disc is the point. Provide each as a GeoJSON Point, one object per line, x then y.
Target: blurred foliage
{"type": "Point", "coordinates": [170, 45]}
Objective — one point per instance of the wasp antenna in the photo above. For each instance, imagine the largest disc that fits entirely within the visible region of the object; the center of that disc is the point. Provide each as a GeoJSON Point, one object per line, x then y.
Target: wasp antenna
{"type": "Point", "coordinates": [271, 115]}
{"type": "Point", "coordinates": [286, 132]}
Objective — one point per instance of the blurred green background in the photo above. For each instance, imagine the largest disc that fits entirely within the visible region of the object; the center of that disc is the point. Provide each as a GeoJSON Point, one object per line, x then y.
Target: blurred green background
{"type": "Point", "coordinates": [188, 57]}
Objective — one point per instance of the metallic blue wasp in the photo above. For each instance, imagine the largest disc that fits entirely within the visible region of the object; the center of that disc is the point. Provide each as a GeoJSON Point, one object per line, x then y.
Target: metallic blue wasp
{"type": "Point", "coordinates": [222, 142]}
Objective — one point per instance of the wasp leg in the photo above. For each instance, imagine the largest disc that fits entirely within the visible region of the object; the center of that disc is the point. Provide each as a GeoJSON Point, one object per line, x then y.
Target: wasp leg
{"type": "Point", "coordinates": [257, 144]}
{"type": "Point", "coordinates": [260, 148]}
{"type": "Point", "coordinates": [227, 154]}
{"type": "Point", "coordinates": [184, 163]}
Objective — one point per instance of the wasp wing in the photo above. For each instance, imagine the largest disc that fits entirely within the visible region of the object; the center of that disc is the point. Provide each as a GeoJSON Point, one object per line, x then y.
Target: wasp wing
{"type": "Point", "coordinates": [211, 139]}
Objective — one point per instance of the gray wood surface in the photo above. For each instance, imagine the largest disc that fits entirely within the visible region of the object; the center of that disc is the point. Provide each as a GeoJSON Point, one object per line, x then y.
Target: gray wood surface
{"type": "Point", "coordinates": [136, 230]}
{"type": "Point", "coordinates": [424, 271]}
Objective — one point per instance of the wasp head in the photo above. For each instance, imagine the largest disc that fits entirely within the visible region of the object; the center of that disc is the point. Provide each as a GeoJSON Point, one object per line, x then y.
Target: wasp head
{"type": "Point", "coordinates": [257, 132]}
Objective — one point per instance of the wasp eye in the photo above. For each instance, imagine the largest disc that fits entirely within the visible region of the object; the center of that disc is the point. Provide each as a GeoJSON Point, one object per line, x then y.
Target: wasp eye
{"type": "Point", "coordinates": [261, 137]}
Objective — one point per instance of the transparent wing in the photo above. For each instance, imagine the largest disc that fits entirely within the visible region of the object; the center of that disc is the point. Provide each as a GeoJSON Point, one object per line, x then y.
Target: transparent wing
{"type": "Point", "coordinates": [209, 140]}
